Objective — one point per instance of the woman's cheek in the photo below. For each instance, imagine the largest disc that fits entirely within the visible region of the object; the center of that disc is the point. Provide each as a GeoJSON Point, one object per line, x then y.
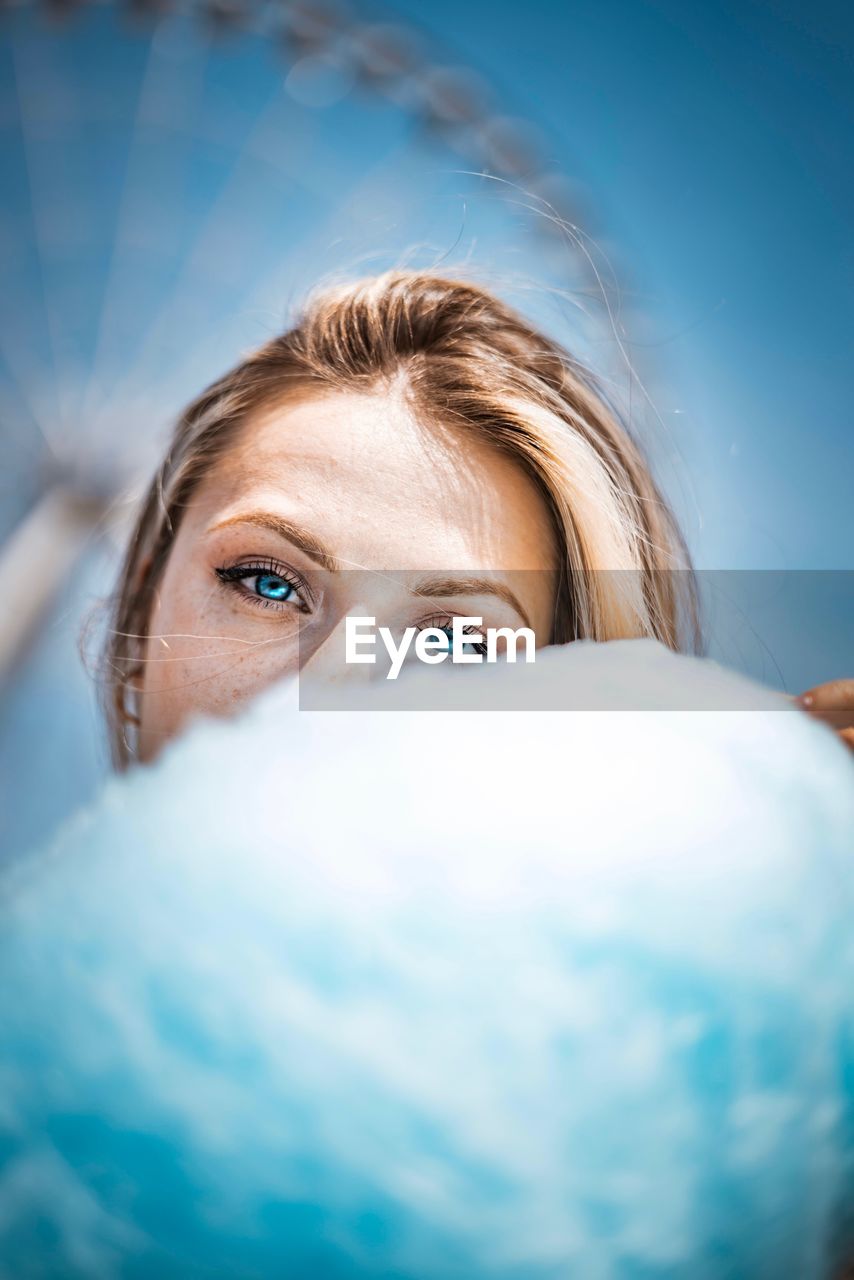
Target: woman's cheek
{"type": "Point", "coordinates": [207, 652]}
{"type": "Point", "coordinates": [182, 660]}
{"type": "Point", "coordinates": [203, 661]}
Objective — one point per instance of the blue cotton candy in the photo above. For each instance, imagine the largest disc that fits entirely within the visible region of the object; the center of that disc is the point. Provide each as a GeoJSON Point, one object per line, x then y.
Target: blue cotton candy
{"type": "Point", "coordinates": [379, 993]}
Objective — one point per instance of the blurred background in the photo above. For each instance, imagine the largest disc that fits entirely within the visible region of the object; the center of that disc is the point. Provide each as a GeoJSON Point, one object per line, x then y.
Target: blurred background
{"type": "Point", "coordinates": [666, 187]}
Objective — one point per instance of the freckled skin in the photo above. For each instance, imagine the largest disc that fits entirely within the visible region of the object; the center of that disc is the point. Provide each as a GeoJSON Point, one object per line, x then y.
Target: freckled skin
{"type": "Point", "coordinates": [384, 494]}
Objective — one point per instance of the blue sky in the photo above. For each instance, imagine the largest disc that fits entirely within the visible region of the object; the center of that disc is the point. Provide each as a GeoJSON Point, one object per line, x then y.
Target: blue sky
{"type": "Point", "coordinates": [711, 142]}
{"type": "Point", "coordinates": [715, 141]}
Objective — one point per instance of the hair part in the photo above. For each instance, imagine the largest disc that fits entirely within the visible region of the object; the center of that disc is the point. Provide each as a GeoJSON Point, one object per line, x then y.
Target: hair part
{"type": "Point", "coordinates": [463, 359]}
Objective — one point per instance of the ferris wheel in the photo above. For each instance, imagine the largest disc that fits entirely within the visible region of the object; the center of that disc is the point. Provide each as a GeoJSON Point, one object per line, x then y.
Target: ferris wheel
{"type": "Point", "coordinates": [178, 173]}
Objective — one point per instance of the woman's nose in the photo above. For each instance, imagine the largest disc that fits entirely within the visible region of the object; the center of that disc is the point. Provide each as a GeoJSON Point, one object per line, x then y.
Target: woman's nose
{"type": "Point", "coordinates": [327, 661]}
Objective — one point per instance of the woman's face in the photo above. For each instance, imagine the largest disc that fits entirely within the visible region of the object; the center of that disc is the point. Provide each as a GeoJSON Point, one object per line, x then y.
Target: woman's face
{"type": "Point", "coordinates": [336, 505]}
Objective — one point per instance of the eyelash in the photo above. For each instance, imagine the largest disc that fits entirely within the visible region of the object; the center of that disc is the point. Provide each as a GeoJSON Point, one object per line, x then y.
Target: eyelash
{"type": "Point", "coordinates": [233, 577]}
{"type": "Point", "coordinates": [443, 622]}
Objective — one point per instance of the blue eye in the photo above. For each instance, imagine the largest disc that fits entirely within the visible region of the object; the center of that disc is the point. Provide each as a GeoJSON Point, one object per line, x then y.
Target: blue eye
{"type": "Point", "coordinates": [272, 587]}
{"type": "Point", "coordinates": [469, 646]}
{"type": "Point", "coordinates": [267, 585]}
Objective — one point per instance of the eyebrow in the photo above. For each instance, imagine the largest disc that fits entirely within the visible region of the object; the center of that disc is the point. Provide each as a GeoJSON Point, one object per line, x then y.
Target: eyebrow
{"type": "Point", "coordinates": [469, 586]}
{"type": "Point", "coordinates": [429, 587]}
{"type": "Point", "coordinates": [300, 537]}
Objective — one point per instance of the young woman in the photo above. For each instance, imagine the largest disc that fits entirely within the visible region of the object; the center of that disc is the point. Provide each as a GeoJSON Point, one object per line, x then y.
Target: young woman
{"type": "Point", "coordinates": [412, 450]}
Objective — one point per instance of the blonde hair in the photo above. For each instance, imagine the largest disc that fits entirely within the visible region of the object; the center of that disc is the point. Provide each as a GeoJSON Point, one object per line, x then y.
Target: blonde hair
{"type": "Point", "coordinates": [465, 359]}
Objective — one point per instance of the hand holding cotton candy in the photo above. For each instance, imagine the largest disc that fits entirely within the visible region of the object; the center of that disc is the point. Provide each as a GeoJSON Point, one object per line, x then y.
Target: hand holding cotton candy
{"type": "Point", "coordinates": [442, 995]}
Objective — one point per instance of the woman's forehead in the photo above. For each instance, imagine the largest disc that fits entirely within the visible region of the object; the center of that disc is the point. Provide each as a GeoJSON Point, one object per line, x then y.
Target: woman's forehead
{"type": "Point", "coordinates": [371, 477]}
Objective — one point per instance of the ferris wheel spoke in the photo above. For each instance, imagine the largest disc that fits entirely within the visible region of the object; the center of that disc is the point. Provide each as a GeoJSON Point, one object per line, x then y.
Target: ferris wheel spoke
{"type": "Point", "coordinates": [170, 76]}
{"type": "Point", "coordinates": [257, 312]}
{"type": "Point", "coordinates": [202, 260]}
{"type": "Point", "coordinates": [31, 386]}
{"type": "Point", "coordinates": [52, 420]}
{"type": "Point", "coordinates": [212, 263]}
